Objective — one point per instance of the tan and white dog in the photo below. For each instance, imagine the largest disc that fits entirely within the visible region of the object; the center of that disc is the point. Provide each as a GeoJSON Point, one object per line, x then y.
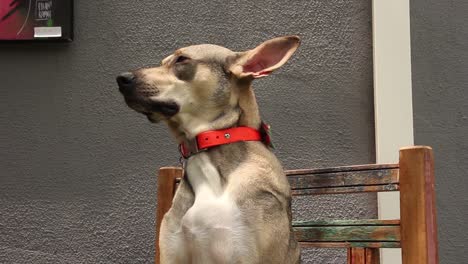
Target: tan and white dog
{"type": "Point", "coordinates": [234, 204]}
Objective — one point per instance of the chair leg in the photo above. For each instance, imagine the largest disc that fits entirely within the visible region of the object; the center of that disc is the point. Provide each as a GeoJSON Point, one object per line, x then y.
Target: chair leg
{"type": "Point", "coordinates": [363, 256]}
{"type": "Point", "coordinates": [372, 256]}
{"type": "Point", "coordinates": [166, 187]}
{"type": "Point", "coordinates": [417, 206]}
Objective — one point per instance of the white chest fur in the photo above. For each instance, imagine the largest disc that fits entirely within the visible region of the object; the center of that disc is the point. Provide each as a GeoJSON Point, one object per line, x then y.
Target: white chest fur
{"type": "Point", "coordinates": [204, 177]}
{"type": "Point", "coordinates": [212, 229]}
{"type": "Point", "coordinates": [212, 205]}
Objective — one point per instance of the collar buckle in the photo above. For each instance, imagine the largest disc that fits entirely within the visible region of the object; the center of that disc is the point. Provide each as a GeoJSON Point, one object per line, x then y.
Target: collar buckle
{"type": "Point", "coordinates": [187, 150]}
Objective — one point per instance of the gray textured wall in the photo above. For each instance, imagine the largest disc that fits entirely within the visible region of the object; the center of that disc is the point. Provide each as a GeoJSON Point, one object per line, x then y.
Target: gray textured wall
{"type": "Point", "coordinates": [439, 32]}
{"type": "Point", "coordinates": [78, 167]}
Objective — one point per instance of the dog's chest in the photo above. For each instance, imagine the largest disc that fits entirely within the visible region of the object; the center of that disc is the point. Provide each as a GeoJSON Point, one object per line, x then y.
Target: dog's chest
{"type": "Point", "coordinates": [204, 177]}
{"type": "Point", "coordinates": [214, 212]}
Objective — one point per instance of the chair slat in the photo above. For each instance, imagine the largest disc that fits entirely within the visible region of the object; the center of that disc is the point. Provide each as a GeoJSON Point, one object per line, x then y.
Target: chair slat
{"type": "Point", "coordinates": [359, 244]}
{"type": "Point", "coordinates": [353, 189]}
{"type": "Point", "coordinates": [342, 168]}
{"type": "Point", "coordinates": [348, 233]}
{"type": "Point", "coordinates": [358, 222]}
{"type": "Point", "coordinates": [375, 231]}
{"type": "Point", "coordinates": [351, 179]}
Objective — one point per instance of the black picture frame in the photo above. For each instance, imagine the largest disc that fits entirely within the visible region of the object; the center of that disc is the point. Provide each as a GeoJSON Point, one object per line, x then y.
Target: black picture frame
{"type": "Point", "coordinates": [36, 20]}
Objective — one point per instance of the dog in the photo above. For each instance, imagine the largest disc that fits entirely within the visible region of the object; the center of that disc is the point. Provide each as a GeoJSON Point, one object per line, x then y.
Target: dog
{"type": "Point", "coordinates": [234, 203]}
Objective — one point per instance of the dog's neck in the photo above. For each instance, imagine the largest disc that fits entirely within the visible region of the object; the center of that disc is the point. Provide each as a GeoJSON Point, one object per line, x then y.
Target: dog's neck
{"type": "Point", "coordinates": [245, 113]}
{"type": "Point", "coordinates": [250, 115]}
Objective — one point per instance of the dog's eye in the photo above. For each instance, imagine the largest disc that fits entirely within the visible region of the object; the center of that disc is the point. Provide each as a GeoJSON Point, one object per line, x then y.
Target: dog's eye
{"type": "Point", "coordinates": [181, 59]}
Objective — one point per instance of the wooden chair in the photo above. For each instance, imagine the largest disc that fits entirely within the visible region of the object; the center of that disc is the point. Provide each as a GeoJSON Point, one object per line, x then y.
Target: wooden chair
{"type": "Point", "coordinates": [415, 232]}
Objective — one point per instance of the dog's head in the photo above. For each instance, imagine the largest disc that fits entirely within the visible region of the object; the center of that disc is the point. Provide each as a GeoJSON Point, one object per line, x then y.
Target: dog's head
{"type": "Point", "coordinates": [198, 85]}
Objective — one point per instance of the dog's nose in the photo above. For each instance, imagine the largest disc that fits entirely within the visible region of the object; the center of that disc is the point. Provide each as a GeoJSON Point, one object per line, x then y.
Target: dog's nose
{"type": "Point", "coordinates": [126, 82]}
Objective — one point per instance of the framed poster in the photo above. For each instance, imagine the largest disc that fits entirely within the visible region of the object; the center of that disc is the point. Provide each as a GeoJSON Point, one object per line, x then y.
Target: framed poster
{"type": "Point", "coordinates": [36, 20]}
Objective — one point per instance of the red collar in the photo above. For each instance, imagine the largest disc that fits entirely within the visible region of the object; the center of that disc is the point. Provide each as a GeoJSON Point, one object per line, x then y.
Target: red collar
{"type": "Point", "coordinates": [213, 138]}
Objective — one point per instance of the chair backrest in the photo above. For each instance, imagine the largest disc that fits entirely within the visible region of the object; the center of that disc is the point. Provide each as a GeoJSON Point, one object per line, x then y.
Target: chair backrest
{"type": "Point", "coordinates": [415, 232]}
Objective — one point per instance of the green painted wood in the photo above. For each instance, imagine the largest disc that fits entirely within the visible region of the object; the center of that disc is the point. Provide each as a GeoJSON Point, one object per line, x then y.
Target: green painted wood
{"type": "Point", "coordinates": [364, 177]}
{"type": "Point", "coordinates": [352, 244]}
{"type": "Point", "coordinates": [374, 244]}
{"type": "Point", "coordinates": [389, 233]}
{"type": "Point", "coordinates": [358, 222]}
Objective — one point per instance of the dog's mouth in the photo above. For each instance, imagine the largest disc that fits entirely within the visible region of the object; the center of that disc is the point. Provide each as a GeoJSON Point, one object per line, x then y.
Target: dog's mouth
{"type": "Point", "coordinates": [149, 106]}
{"type": "Point", "coordinates": [142, 97]}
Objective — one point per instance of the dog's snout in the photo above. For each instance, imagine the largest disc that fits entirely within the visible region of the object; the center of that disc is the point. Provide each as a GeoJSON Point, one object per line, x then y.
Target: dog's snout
{"type": "Point", "coordinates": [126, 82]}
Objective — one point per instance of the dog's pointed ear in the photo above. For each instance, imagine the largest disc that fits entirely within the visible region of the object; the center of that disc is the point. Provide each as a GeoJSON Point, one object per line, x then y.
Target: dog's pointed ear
{"type": "Point", "coordinates": [265, 58]}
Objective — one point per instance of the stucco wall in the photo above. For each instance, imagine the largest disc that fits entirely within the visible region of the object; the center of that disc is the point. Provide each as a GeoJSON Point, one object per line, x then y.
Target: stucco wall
{"type": "Point", "coordinates": [78, 167]}
{"type": "Point", "coordinates": [439, 32]}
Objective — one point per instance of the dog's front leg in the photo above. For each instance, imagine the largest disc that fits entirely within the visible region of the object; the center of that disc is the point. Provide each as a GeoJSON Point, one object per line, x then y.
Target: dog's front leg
{"type": "Point", "coordinates": [173, 249]}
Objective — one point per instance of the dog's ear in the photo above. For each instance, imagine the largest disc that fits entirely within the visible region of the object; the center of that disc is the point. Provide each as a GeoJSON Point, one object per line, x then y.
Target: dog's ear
{"type": "Point", "coordinates": [265, 58]}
